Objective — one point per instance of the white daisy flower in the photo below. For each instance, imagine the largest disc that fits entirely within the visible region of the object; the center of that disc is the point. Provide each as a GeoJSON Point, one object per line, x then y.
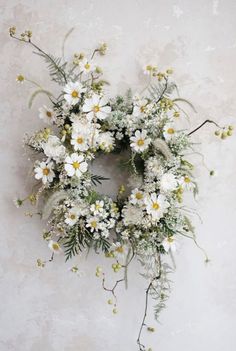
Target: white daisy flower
{"type": "Point", "coordinates": [136, 197]}
{"type": "Point", "coordinates": [54, 247]}
{"type": "Point", "coordinates": [97, 208]}
{"type": "Point", "coordinates": [53, 148]}
{"type": "Point", "coordinates": [140, 107]}
{"type": "Point", "coordinates": [79, 141]}
{"type": "Point", "coordinates": [140, 141]}
{"type": "Point", "coordinates": [86, 66]}
{"type": "Point", "coordinates": [75, 165]}
{"type": "Point", "coordinates": [96, 107]}
{"type": "Point", "coordinates": [93, 223]}
{"type": "Point", "coordinates": [47, 114]}
{"type": "Point", "coordinates": [169, 244]}
{"type": "Point", "coordinates": [168, 182]}
{"type": "Point", "coordinates": [169, 132]}
{"type": "Point", "coordinates": [156, 206]}
{"type": "Point", "coordinates": [73, 92]}
{"type": "Point", "coordinates": [72, 216]}
{"type": "Point", "coordinates": [106, 141]}
{"type": "Point", "coordinates": [186, 183]}
{"type": "Point", "coordinates": [45, 172]}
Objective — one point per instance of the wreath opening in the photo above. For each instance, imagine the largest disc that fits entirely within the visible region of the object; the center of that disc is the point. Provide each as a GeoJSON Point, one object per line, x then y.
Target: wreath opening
{"type": "Point", "coordinates": [138, 133]}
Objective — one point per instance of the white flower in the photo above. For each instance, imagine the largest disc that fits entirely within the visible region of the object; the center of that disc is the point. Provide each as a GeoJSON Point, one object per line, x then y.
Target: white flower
{"type": "Point", "coordinates": [47, 114]}
{"type": "Point", "coordinates": [136, 197]}
{"type": "Point", "coordinates": [79, 141]}
{"type": "Point", "coordinates": [169, 244]}
{"type": "Point", "coordinates": [154, 167]}
{"type": "Point", "coordinates": [86, 66]}
{"type": "Point", "coordinates": [168, 182]}
{"type": "Point", "coordinates": [140, 107]}
{"type": "Point", "coordinates": [75, 165]}
{"type": "Point", "coordinates": [72, 216]}
{"type": "Point", "coordinates": [106, 141]}
{"type": "Point", "coordinates": [98, 207]}
{"type": "Point", "coordinates": [45, 172]}
{"type": "Point", "coordinates": [186, 183]}
{"type": "Point", "coordinates": [54, 246]}
{"type": "Point", "coordinates": [73, 92]}
{"type": "Point", "coordinates": [169, 132]}
{"type": "Point", "coordinates": [140, 142]}
{"type": "Point", "coordinates": [54, 149]}
{"type": "Point", "coordinates": [96, 107]}
{"type": "Point", "coordinates": [156, 206]}
{"type": "Point", "coordinates": [132, 215]}
{"type": "Point", "coordinates": [93, 223]}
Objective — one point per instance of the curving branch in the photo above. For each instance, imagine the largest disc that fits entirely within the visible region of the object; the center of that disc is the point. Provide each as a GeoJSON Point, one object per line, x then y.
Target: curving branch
{"type": "Point", "coordinates": [201, 125]}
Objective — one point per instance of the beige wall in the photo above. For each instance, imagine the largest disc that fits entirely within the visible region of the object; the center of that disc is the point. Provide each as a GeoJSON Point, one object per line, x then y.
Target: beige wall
{"type": "Point", "coordinates": [55, 310]}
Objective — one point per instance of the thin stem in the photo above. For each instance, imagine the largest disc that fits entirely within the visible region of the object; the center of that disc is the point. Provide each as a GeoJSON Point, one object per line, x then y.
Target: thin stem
{"type": "Point", "coordinates": [201, 125]}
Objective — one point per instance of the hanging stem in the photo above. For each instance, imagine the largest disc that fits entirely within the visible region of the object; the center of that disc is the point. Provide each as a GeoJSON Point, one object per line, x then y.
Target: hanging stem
{"type": "Point", "coordinates": [201, 125]}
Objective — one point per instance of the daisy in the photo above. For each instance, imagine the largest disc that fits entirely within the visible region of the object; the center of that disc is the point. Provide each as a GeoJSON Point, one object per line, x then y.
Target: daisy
{"type": "Point", "coordinates": [93, 223]}
{"type": "Point", "coordinates": [79, 141]}
{"type": "Point", "coordinates": [169, 244]}
{"type": "Point", "coordinates": [86, 66]}
{"type": "Point", "coordinates": [73, 92]}
{"type": "Point", "coordinates": [136, 197]}
{"type": "Point", "coordinates": [20, 78]}
{"type": "Point", "coordinates": [186, 183]}
{"type": "Point", "coordinates": [53, 148]}
{"type": "Point", "coordinates": [168, 182]}
{"type": "Point", "coordinates": [140, 142]}
{"type": "Point", "coordinates": [75, 165]}
{"type": "Point", "coordinates": [98, 207]}
{"type": "Point", "coordinates": [47, 114]}
{"type": "Point", "coordinates": [54, 246]}
{"type": "Point", "coordinates": [45, 172]}
{"type": "Point", "coordinates": [169, 132]}
{"type": "Point", "coordinates": [96, 107]}
{"type": "Point", "coordinates": [72, 216]}
{"type": "Point", "coordinates": [106, 141]}
{"type": "Point", "coordinates": [140, 107]}
{"type": "Point", "coordinates": [156, 206]}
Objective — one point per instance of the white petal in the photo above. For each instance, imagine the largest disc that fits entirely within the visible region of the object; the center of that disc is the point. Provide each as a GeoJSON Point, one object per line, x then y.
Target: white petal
{"type": "Point", "coordinates": [70, 170]}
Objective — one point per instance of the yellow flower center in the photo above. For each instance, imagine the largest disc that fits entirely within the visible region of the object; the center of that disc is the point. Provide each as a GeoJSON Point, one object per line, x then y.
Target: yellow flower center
{"type": "Point", "coordinates": [76, 165]}
{"type": "Point", "coordinates": [46, 171]}
{"type": "Point", "coordinates": [139, 196]}
{"type": "Point", "coordinates": [140, 142]}
{"type": "Point", "coordinates": [87, 66]}
{"type": "Point", "coordinates": [155, 206]}
{"type": "Point", "coordinates": [143, 109]}
{"type": "Point", "coordinates": [93, 224]}
{"type": "Point", "coordinates": [120, 249]}
{"type": "Point", "coordinates": [96, 108]}
{"type": "Point", "coordinates": [148, 67]}
{"type": "Point", "coordinates": [80, 140]}
{"type": "Point", "coordinates": [187, 179]}
{"type": "Point", "coordinates": [72, 216]}
{"type": "Point", "coordinates": [170, 239]}
{"type": "Point", "coordinates": [74, 94]}
{"type": "Point", "coordinates": [49, 114]}
{"type": "Point", "coordinates": [170, 131]}
{"type": "Point", "coordinates": [20, 78]}
{"type": "Point", "coordinates": [97, 206]}
{"type": "Point", "coordinates": [56, 246]}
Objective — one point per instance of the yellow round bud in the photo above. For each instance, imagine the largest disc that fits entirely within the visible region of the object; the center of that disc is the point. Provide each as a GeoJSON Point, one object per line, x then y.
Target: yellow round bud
{"type": "Point", "coordinates": [231, 127]}
{"type": "Point", "coordinates": [224, 135]}
{"type": "Point", "coordinates": [114, 311]}
{"type": "Point", "coordinates": [97, 274]}
{"type": "Point", "coordinates": [110, 302]}
{"type": "Point", "coordinates": [217, 132]}
{"type": "Point", "coordinates": [229, 133]}
{"type": "Point", "coordinates": [99, 269]}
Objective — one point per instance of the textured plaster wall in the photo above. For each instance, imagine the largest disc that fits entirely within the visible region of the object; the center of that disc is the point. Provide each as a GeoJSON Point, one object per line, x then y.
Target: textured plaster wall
{"type": "Point", "coordinates": [53, 309]}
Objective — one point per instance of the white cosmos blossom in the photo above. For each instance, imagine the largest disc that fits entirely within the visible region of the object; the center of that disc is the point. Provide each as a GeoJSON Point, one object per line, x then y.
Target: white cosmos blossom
{"type": "Point", "coordinates": [97, 208]}
{"type": "Point", "coordinates": [169, 244]}
{"type": "Point", "coordinates": [75, 165]}
{"type": "Point", "coordinates": [186, 183]}
{"type": "Point", "coordinates": [72, 216]}
{"type": "Point", "coordinates": [86, 66]}
{"type": "Point", "coordinates": [54, 247]}
{"type": "Point", "coordinates": [156, 205]}
{"type": "Point", "coordinates": [93, 223]}
{"type": "Point", "coordinates": [140, 107]}
{"type": "Point", "coordinates": [136, 197]}
{"type": "Point", "coordinates": [96, 107]}
{"type": "Point", "coordinates": [47, 114]}
{"type": "Point", "coordinates": [73, 92]}
{"type": "Point", "coordinates": [54, 149]}
{"type": "Point", "coordinates": [168, 182]}
{"type": "Point", "coordinates": [169, 132]}
{"type": "Point", "coordinates": [45, 172]}
{"type": "Point", "coordinates": [140, 141]}
{"type": "Point", "coordinates": [79, 140]}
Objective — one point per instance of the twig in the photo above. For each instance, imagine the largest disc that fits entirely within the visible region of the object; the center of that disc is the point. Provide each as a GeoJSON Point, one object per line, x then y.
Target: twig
{"type": "Point", "coordinates": [201, 125]}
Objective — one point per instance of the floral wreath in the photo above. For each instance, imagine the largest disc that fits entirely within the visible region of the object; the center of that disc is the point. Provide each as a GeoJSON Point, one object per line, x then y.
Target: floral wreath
{"type": "Point", "coordinates": [146, 216]}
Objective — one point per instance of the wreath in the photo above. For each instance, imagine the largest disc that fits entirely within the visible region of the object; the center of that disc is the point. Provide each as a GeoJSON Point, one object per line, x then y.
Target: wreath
{"type": "Point", "coordinates": [144, 219]}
